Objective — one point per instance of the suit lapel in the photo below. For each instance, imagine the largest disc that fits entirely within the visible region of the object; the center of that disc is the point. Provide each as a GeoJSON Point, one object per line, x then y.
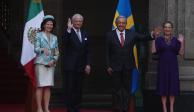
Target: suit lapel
{"type": "Point", "coordinates": [126, 38]}
{"type": "Point", "coordinates": [116, 38]}
{"type": "Point", "coordinates": [83, 36]}
{"type": "Point", "coordinates": [46, 39]}
{"type": "Point", "coordinates": [75, 37]}
{"type": "Point", "coordinates": [44, 36]}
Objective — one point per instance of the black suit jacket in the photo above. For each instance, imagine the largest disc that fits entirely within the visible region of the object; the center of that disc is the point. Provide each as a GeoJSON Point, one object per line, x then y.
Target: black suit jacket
{"type": "Point", "coordinates": [77, 54]}
{"type": "Point", "coordinates": [119, 58]}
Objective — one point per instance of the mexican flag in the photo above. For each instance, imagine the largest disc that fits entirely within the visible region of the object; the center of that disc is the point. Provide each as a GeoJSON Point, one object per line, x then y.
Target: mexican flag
{"type": "Point", "coordinates": [34, 19]}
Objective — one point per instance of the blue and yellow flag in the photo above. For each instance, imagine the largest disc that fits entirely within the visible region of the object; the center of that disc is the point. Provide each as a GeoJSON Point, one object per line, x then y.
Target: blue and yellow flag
{"type": "Point", "coordinates": [124, 9]}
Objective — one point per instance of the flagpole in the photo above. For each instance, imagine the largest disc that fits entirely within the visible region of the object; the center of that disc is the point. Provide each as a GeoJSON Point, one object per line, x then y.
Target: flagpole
{"type": "Point", "coordinates": [33, 22]}
{"type": "Point", "coordinates": [30, 103]}
{"type": "Point", "coordinates": [132, 104]}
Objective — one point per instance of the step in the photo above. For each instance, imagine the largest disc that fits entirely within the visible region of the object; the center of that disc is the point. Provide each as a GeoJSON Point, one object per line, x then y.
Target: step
{"type": "Point", "coordinates": [88, 100]}
{"type": "Point", "coordinates": [183, 103]}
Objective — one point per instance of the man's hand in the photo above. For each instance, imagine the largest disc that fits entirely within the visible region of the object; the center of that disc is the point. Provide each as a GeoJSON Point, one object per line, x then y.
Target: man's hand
{"type": "Point", "coordinates": [156, 32]}
{"type": "Point", "coordinates": [109, 70]}
{"type": "Point", "coordinates": [87, 69]}
{"type": "Point", "coordinates": [69, 25]}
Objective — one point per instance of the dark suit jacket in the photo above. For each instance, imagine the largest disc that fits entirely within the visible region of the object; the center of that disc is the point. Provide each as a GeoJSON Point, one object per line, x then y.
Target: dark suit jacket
{"type": "Point", "coordinates": [77, 54]}
{"type": "Point", "coordinates": [118, 57]}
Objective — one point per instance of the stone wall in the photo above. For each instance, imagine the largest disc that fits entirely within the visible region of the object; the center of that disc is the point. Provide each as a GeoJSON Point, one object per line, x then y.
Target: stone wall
{"type": "Point", "coordinates": [181, 13]}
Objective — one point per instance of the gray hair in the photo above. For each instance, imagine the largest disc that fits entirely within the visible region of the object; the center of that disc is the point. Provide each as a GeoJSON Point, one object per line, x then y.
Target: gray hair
{"type": "Point", "coordinates": [117, 19]}
{"type": "Point", "coordinates": [77, 16]}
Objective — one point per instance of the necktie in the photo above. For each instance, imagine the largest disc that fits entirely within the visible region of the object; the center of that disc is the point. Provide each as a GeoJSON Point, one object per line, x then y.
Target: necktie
{"type": "Point", "coordinates": [78, 34]}
{"type": "Point", "coordinates": [122, 39]}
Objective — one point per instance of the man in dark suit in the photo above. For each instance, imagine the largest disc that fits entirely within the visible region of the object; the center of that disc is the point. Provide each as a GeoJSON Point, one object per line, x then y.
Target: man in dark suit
{"type": "Point", "coordinates": [76, 61]}
{"type": "Point", "coordinates": [120, 62]}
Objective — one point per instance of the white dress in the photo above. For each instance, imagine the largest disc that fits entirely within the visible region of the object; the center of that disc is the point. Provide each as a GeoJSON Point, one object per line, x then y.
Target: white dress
{"type": "Point", "coordinates": [44, 75]}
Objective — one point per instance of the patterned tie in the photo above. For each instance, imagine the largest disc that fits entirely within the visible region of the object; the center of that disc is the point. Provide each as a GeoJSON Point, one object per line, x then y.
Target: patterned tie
{"type": "Point", "coordinates": [78, 34]}
{"type": "Point", "coordinates": [122, 39]}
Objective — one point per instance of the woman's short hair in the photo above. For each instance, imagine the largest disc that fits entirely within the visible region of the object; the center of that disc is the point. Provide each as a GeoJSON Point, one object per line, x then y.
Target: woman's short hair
{"type": "Point", "coordinates": [167, 22]}
{"type": "Point", "coordinates": [46, 19]}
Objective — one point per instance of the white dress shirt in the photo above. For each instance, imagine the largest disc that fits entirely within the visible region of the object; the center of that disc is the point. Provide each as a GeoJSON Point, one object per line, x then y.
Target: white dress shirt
{"type": "Point", "coordinates": [118, 34]}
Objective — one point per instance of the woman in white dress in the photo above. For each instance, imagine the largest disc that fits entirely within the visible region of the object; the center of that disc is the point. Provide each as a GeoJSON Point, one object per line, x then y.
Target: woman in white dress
{"type": "Point", "coordinates": [46, 48]}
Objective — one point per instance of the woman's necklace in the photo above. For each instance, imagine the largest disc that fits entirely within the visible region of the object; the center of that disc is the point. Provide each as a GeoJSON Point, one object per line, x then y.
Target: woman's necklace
{"type": "Point", "coordinates": [167, 40]}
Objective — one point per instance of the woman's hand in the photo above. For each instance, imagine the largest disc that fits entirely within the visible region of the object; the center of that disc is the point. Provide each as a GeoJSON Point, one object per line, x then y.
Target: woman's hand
{"type": "Point", "coordinates": [181, 38]}
{"type": "Point", "coordinates": [51, 63]}
{"type": "Point", "coordinates": [46, 51]}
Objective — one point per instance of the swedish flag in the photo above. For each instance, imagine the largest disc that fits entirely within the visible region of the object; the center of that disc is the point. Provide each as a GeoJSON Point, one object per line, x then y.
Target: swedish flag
{"type": "Point", "coordinates": [124, 9]}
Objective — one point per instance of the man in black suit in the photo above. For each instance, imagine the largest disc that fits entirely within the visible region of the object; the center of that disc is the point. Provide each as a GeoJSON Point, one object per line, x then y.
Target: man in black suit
{"type": "Point", "coordinates": [120, 62]}
{"type": "Point", "coordinates": [76, 61]}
